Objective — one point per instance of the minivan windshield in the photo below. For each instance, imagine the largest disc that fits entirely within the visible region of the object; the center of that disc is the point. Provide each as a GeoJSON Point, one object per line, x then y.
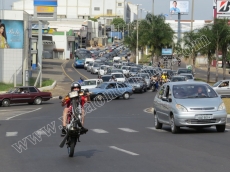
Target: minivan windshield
{"type": "Point", "coordinates": [192, 91]}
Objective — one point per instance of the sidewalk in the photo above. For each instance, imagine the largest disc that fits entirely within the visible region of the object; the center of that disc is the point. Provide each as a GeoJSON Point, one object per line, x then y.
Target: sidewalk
{"type": "Point", "coordinates": [51, 69]}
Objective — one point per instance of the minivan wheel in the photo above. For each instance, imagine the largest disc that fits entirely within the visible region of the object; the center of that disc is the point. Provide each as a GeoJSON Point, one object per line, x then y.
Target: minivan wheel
{"type": "Point", "coordinates": [157, 124]}
{"type": "Point", "coordinates": [174, 128]}
{"type": "Point", "coordinates": [220, 128]}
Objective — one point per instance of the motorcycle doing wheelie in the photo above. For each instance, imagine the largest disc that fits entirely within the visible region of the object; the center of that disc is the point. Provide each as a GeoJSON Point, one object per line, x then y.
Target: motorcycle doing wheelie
{"type": "Point", "coordinates": [74, 123]}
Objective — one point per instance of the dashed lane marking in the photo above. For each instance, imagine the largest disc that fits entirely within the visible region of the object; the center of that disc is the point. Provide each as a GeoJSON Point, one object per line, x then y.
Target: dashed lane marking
{"type": "Point", "coordinates": [11, 134]}
{"type": "Point", "coordinates": [123, 150]}
{"type": "Point", "coordinates": [99, 131]}
{"type": "Point", "coordinates": [23, 113]}
{"type": "Point", "coordinates": [128, 130]}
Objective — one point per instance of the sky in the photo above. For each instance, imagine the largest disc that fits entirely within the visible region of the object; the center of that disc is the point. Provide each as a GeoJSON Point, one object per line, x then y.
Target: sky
{"type": "Point", "coordinates": [146, 4]}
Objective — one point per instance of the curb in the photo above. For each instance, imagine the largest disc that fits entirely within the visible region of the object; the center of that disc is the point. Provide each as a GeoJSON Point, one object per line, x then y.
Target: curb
{"type": "Point", "coordinates": [48, 87]}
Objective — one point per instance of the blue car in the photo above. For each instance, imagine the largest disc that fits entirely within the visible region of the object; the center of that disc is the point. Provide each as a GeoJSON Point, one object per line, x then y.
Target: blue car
{"type": "Point", "coordinates": [79, 63]}
{"type": "Point", "coordinates": [111, 90]}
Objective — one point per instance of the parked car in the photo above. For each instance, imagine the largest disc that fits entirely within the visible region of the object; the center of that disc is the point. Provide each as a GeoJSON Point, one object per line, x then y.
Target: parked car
{"type": "Point", "coordinates": [222, 88]}
{"type": "Point", "coordinates": [90, 83]}
{"type": "Point", "coordinates": [30, 95]}
{"type": "Point", "coordinates": [138, 84]}
{"type": "Point", "coordinates": [189, 104]}
{"type": "Point", "coordinates": [178, 78]}
{"type": "Point", "coordinates": [111, 90]}
{"type": "Point", "coordinates": [189, 76]}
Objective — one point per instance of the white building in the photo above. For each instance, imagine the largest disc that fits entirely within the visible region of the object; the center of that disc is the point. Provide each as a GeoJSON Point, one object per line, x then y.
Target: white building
{"type": "Point", "coordinates": [103, 10]}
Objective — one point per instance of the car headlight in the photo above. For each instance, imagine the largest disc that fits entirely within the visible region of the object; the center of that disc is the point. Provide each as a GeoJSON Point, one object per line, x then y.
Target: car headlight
{"type": "Point", "coordinates": [222, 106]}
{"type": "Point", "coordinates": [181, 108]}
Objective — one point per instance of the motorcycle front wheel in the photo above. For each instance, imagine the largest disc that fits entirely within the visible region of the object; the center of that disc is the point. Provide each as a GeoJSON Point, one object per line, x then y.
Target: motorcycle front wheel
{"type": "Point", "coordinates": [71, 146]}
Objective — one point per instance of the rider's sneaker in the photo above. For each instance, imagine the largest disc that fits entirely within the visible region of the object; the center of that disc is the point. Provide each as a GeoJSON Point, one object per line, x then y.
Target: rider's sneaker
{"type": "Point", "coordinates": [63, 131]}
{"type": "Point", "coordinates": [83, 130]}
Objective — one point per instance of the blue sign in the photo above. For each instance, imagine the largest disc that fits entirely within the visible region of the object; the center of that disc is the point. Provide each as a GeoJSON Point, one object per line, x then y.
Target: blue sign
{"type": "Point", "coordinates": [45, 3]}
{"type": "Point", "coordinates": [14, 33]}
{"type": "Point", "coordinates": [166, 51]}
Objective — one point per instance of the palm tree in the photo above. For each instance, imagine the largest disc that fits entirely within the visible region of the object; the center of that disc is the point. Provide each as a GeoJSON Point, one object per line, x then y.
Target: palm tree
{"type": "Point", "coordinates": [208, 48]}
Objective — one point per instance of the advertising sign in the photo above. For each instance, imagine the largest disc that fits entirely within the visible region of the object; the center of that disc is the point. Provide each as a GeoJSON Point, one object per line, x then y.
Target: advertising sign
{"type": "Point", "coordinates": [11, 34]}
{"type": "Point", "coordinates": [45, 3]}
{"type": "Point", "coordinates": [223, 6]}
{"type": "Point", "coordinates": [45, 9]}
{"type": "Point", "coordinates": [179, 7]}
{"type": "Point", "coordinates": [166, 51]}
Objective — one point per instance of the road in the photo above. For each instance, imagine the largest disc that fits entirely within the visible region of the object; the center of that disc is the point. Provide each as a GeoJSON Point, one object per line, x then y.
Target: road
{"type": "Point", "coordinates": [121, 138]}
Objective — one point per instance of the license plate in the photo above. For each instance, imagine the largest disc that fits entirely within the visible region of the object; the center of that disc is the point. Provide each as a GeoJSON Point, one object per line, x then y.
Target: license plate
{"type": "Point", "coordinates": [203, 117]}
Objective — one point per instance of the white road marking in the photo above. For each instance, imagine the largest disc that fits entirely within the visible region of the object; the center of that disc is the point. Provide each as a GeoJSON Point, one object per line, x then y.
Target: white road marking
{"type": "Point", "coordinates": [23, 113]}
{"type": "Point", "coordinates": [127, 130]}
{"type": "Point", "coordinates": [55, 97]}
{"type": "Point", "coordinates": [99, 131]}
{"type": "Point", "coordinates": [40, 132]}
{"type": "Point", "coordinates": [10, 134]}
{"type": "Point", "coordinates": [158, 130]}
{"type": "Point", "coordinates": [13, 110]}
{"type": "Point", "coordinates": [122, 150]}
{"type": "Point", "coordinates": [228, 124]}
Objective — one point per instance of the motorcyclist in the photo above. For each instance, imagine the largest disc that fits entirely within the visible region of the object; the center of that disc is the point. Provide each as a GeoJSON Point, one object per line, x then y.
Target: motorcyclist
{"type": "Point", "coordinates": [75, 86]}
{"type": "Point", "coordinates": [113, 79]}
{"type": "Point", "coordinates": [155, 79]}
{"type": "Point", "coordinates": [164, 77]}
{"type": "Point", "coordinates": [81, 80]}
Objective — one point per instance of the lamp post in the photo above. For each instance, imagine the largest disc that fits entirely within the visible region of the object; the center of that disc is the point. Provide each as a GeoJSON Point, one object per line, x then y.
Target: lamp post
{"type": "Point", "coordinates": [153, 8]}
{"type": "Point", "coordinates": [137, 56]}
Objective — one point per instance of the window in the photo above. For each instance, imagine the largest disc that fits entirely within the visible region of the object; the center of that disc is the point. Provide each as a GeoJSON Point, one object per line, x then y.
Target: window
{"type": "Point", "coordinates": [109, 21]}
{"type": "Point", "coordinates": [111, 86]}
{"type": "Point", "coordinates": [119, 4]}
{"type": "Point", "coordinates": [121, 85]}
{"type": "Point", "coordinates": [33, 90]}
{"type": "Point", "coordinates": [96, 8]}
{"type": "Point", "coordinates": [109, 12]}
{"type": "Point", "coordinates": [224, 84]}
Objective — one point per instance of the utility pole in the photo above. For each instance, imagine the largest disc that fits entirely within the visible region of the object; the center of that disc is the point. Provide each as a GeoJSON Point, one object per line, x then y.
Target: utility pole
{"type": "Point", "coordinates": [191, 26]}
{"type": "Point", "coordinates": [137, 56]}
{"type": "Point", "coordinates": [153, 8]}
{"type": "Point", "coordinates": [105, 31]}
{"type": "Point", "coordinates": [123, 32]}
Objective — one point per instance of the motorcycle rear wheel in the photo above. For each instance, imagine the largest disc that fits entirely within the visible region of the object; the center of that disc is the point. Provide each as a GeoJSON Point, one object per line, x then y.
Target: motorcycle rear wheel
{"type": "Point", "coordinates": [71, 147]}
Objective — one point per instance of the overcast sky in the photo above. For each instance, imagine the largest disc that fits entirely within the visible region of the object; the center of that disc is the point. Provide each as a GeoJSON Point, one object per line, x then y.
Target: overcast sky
{"type": "Point", "coordinates": [146, 4]}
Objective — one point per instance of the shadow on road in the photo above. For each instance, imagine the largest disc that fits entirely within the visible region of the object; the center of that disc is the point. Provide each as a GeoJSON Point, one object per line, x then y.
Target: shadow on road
{"type": "Point", "coordinates": [87, 154]}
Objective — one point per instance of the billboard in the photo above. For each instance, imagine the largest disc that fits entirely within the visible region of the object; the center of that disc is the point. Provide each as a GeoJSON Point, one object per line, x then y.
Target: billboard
{"type": "Point", "coordinates": [181, 7]}
{"type": "Point", "coordinates": [11, 34]}
{"type": "Point", "coordinates": [45, 3]}
{"type": "Point", "coordinates": [223, 6]}
{"type": "Point", "coordinates": [166, 52]}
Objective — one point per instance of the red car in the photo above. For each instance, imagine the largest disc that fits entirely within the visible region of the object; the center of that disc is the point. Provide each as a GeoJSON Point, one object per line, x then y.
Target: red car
{"type": "Point", "coordinates": [30, 95]}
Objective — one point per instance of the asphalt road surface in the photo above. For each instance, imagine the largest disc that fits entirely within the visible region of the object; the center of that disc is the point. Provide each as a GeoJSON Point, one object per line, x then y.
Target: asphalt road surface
{"type": "Point", "coordinates": [121, 138]}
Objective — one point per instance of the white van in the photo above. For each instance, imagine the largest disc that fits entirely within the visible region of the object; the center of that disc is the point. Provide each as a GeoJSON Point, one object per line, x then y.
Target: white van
{"type": "Point", "coordinates": [87, 60]}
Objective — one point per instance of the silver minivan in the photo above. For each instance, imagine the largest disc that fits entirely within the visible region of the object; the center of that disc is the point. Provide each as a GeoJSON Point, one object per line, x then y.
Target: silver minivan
{"type": "Point", "coordinates": [189, 104]}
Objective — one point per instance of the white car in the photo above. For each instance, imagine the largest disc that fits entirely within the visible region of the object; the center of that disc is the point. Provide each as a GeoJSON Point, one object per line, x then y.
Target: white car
{"type": "Point", "coordinates": [125, 69]}
{"type": "Point", "coordinates": [189, 76]}
{"type": "Point", "coordinates": [119, 76]}
{"type": "Point", "coordinates": [87, 60]}
{"type": "Point", "coordinates": [102, 70]}
{"type": "Point", "coordinates": [91, 83]}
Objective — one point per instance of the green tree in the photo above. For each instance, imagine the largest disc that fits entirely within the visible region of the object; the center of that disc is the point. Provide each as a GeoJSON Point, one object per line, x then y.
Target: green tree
{"type": "Point", "coordinates": [93, 19]}
{"type": "Point", "coordinates": [155, 33]}
{"type": "Point", "coordinates": [118, 23]}
{"type": "Point", "coordinates": [221, 32]}
{"type": "Point", "coordinates": [209, 46]}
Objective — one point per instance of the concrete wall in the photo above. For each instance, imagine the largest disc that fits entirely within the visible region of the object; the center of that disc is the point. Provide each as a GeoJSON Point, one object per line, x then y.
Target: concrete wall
{"type": "Point", "coordinates": [11, 61]}
{"type": "Point", "coordinates": [61, 43]}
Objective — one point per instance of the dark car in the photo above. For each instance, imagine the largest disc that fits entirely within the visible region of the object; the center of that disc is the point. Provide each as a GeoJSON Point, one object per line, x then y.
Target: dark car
{"type": "Point", "coordinates": [138, 84]}
{"type": "Point", "coordinates": [30, 95]}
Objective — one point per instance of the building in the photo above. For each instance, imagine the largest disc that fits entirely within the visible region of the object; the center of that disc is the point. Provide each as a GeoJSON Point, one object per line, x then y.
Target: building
{"type": "Point", "coordinates": [103, 10]}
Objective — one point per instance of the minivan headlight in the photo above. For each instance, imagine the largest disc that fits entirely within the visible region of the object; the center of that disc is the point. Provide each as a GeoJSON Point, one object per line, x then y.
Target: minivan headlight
{"type": "Point", "coordinates": [222, 106]}
{"type": "Point", "coordinates": [181, 108]}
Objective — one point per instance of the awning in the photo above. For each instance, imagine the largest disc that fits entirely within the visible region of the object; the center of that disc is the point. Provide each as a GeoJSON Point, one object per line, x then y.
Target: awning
{"type": "Point", "coordinates": [48, 42]}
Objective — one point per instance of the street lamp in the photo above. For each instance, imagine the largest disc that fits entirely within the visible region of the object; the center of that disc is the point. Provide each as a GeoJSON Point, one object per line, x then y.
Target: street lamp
{"type": "Point", "coordinates": [137, 56]}
{"type": "Point", "coordinates": [141, 12]}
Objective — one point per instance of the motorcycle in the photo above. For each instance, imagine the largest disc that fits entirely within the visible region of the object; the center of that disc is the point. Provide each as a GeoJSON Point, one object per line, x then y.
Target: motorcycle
{"type": "Point", "coordinates": [153, 85]}
{"type": "Point", "coordinates": [74, 123]}
{"type": "Point", "coordinates": [179, 63]}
